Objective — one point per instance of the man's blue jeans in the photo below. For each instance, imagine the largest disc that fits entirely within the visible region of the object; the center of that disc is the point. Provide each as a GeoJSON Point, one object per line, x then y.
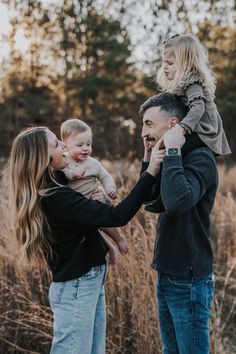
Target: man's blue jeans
{"type": "Point", "coordinates": [79, 314]}
{"type": "Point", "coordinates": [184, 306]}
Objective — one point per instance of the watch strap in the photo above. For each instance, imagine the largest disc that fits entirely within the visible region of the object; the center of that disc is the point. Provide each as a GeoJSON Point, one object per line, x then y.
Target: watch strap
{"type": "Point", "coordinates": [173, 152]}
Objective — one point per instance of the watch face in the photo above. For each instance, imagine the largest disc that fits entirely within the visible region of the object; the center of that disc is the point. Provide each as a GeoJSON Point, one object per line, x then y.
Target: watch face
{"type": "Point", "coordinates": [173, 151]}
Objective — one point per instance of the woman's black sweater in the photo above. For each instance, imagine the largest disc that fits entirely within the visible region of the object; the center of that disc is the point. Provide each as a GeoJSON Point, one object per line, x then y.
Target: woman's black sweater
{"type": "Point", "coordinates": [74, 221]}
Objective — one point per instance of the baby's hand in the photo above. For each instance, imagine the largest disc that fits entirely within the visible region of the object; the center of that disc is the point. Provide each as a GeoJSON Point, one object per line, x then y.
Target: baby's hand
{"type": "Point", "coordinates": [78, 174]}
{"type": "Point", "coordinates": [81, 174]}
{"type": "Point", "coordinates": [112, 195]}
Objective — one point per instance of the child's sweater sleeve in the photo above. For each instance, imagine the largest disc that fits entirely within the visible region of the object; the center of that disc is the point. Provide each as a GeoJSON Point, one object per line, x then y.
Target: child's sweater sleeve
{"type": "Point", "coordinates": [196, 104]}
{"type": "Point", "coordinates": [68, 173]}
{"type": "Point", "coordinates": [106, 179]}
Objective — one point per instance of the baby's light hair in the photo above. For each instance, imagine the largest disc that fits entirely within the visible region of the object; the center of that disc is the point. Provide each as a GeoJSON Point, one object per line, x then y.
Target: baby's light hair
{"type": "Point", "coordinates": [73, 126]}
{"type": "Point", "coordinates": [191, 59]}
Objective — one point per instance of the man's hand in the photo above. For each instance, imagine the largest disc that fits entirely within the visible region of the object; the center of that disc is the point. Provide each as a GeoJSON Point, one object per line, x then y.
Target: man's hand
{"type": "Point", "coordinates": [174, 137]}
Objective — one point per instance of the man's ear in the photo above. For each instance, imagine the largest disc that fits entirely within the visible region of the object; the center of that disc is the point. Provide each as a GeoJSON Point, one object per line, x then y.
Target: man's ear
{"type": "Point", "coordinates": [174, 121]}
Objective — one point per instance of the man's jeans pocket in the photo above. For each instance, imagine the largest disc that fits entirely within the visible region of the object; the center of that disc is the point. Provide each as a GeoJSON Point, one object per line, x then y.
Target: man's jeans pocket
{"type": "Point", "coordinates": [179, 281]}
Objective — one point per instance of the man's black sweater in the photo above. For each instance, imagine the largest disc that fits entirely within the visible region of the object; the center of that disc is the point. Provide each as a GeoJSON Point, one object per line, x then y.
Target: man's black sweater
{"type": "Point", "coordinates": [185, 190]}
{"type": "Point", "coordinates": [74, 221]}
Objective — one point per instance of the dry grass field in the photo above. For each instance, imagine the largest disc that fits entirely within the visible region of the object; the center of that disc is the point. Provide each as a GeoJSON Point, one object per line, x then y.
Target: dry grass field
{"type": "Point", "coordinates": [25, 316]}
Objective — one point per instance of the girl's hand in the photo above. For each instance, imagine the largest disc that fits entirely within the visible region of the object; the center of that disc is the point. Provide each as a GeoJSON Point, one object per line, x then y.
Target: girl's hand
{"type": "Point", "coordinates": [185, 130]}
{"type": "Point", "coordinates": [157, 156]}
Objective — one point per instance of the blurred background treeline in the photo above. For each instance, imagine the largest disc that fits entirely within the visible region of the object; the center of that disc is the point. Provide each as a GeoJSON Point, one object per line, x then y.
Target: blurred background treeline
{"type": "Point", "coordinates": [97, 60]}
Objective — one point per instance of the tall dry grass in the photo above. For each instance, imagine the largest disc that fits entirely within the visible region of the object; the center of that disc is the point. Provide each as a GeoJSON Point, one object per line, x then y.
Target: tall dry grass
{"type": "Point", "coordinates": [224, 244]}
{"type": "Point", "coordinates": [25, 317]}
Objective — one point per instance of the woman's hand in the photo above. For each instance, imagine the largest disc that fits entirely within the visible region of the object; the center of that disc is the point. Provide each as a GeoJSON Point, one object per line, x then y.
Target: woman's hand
{"type": "Point", "coordinates": [147, 149]}
{"type": "Point", "coordinates": [157, 156]}
{"type": "Point", "coordinates": [100, 194]}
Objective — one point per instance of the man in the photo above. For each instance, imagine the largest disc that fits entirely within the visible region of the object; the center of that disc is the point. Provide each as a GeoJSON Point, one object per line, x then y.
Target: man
{"type": "Point", "coordinates": [184, 195]}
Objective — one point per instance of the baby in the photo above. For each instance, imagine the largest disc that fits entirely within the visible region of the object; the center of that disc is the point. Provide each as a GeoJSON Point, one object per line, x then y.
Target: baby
{"type": "Point", "coordinates": [85, 173]}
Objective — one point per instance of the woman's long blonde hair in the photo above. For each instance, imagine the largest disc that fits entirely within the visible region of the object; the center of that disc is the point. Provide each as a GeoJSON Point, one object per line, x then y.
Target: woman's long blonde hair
{"type": "Point", "coordinates": [191, 58]}
{"type": "Point", "coordinates": [29, 175]}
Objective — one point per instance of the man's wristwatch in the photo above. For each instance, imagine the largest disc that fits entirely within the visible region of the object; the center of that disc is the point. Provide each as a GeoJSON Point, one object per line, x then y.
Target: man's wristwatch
{"type": "Point", "coordinates": [173, 152]}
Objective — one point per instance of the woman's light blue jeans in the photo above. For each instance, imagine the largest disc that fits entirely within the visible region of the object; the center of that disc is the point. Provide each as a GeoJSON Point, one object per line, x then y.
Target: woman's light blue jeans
{"type": "Point", "coordinates": [79, 312]}
{"type": "Point", "coordinates": [184, 306]}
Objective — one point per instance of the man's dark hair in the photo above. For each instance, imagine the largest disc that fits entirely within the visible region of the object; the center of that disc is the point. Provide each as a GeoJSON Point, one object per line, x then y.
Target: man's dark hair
{"type": "Point", "coordinates": [170, 104]}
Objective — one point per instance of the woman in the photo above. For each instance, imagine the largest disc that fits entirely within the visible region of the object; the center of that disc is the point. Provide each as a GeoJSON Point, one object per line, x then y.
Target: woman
{"type": "Point", "coordinates": [58, 226]}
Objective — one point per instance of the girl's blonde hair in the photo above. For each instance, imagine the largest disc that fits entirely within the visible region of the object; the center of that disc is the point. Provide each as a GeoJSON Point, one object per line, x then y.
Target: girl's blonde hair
{"type": "Point", "coordinates": [73, 126]}
{"type": "Point", "coordinates": [191, 59]}
{"type": "Point", "coordinates": [29, 177]}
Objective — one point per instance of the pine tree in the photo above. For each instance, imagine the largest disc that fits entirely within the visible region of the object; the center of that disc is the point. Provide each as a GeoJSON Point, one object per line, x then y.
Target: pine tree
{"type": "Point", "coordinates": [98, 74]}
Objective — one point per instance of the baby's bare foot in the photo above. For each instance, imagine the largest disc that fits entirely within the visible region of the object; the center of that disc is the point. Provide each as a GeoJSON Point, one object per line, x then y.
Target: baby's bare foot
{"type": "Point", "coordinates": [123, 246]}
{"type": "Point", "coordinates": [112, 256]}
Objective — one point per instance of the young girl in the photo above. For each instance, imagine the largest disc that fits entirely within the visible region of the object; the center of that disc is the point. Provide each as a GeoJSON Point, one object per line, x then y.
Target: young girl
{"type": "Point", "coordinates": [186, 72]}
{"type": "Point", "coordinates": [85, 173]}
{"type": "Point", "coordinates": [56, 225]}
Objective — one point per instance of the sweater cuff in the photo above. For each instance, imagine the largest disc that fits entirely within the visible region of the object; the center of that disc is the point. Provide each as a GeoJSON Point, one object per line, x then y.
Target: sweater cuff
{"type": "Point", "coordinates": [144, 166]}
{"type": "Point", "coordinates": [147, 176]}
{"type": "Point", "coordinates": [172, 161]}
